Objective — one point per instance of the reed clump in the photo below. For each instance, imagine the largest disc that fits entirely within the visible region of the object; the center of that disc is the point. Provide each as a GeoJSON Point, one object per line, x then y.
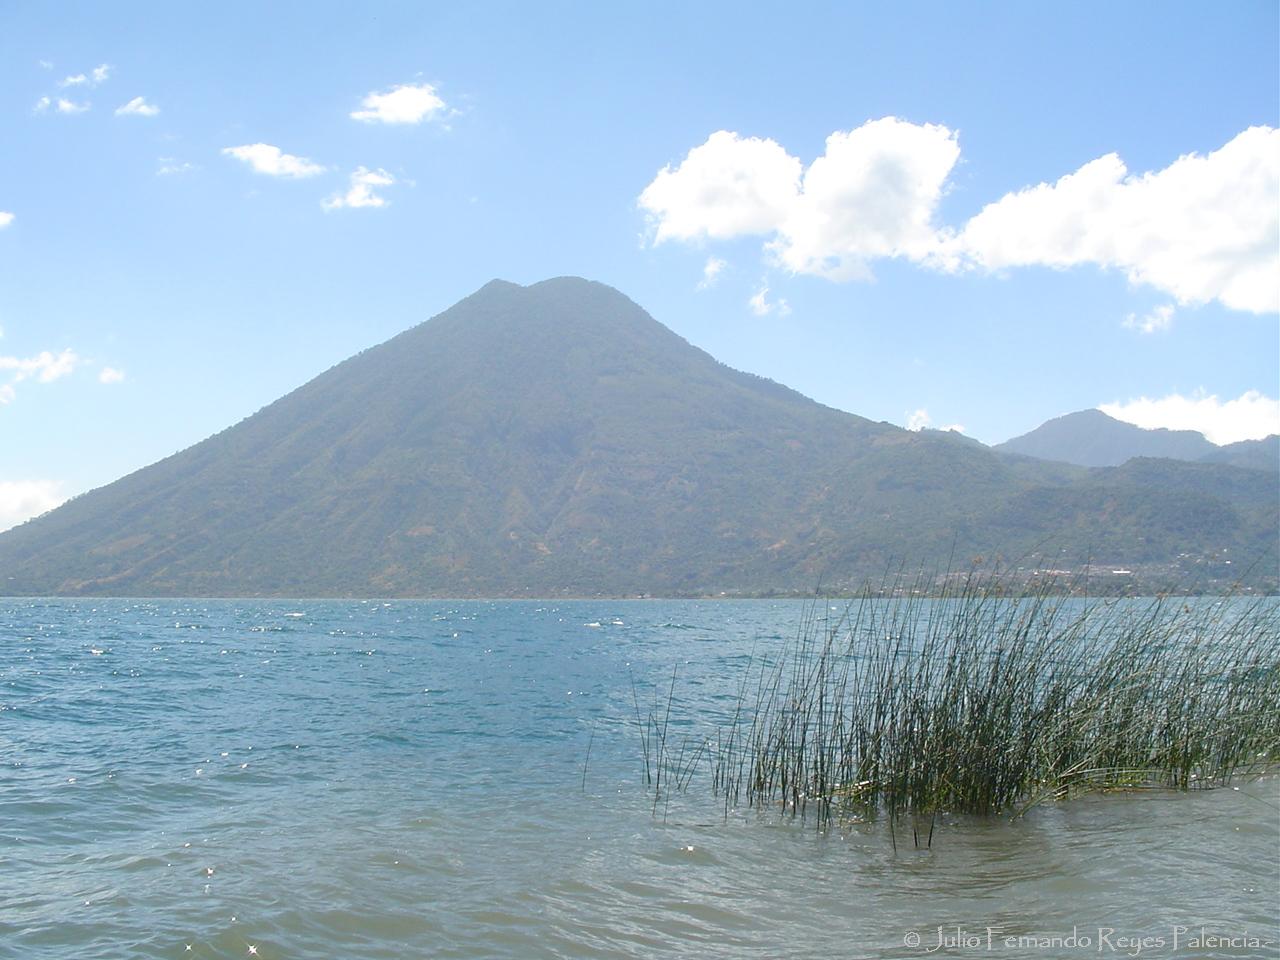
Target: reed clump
{"type": "Point", "coordinates": [982, 704]}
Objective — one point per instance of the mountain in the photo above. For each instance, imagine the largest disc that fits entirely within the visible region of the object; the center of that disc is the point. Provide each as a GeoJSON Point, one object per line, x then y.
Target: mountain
{"type": "Point", "coordinates": [1255, 454]}
{"type": "Point", "coordinates": [1090, 438]}
{"type": "Point", "coordinates": [556, 440]}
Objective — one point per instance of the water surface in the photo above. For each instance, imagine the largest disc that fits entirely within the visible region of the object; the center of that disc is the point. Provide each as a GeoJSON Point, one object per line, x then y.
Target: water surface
{"type": "Point", "coordinates": [463, 779]}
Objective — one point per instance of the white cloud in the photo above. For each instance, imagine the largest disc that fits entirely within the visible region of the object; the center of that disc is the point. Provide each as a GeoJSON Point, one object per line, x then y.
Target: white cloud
{"type": "Point", "coordinates": [872, 195]}
{"type": "Point", "coordinates": [137, 107]}
{"type": "Point", "coordinates": [919, 420]}
{"type": "Point", "coordinates": [1204, 228]}
{"type": "Point", "coordinates": [23, 499]}
{"type": "Point", "coordinates": [728, 187]}
{"type": "Point", "coordinates": [110, 375]}
{"type": "Point", "coordinates": [98, 75]}
{"type": "Point", "coordinates": [360, 193]}
{"type": "Point", "coordinates": [761, 307]}
{"type": "Point", "coordinates": [44, 366]}
{"type": "Point", "coordinates": [45, 64]}
{"type": "Point", "coordinates": [264, 158]}
{"type": "Point", "coordinates": [1251, 416]}
{"type": "Point", "coordinates": [710, 272]}
{"type": "Point", "coordinates": [405, 103]}
{"type": "Point", "coordinates": [169, 166]}
{"type": "Point", "coordinates": [42, 105]}
{"type": "Point", "coordinates": [1161, 318]}
{"type": "Point", "coordinates": [6, 218]}
{"type": "Point", "coordinates": [70, 106]}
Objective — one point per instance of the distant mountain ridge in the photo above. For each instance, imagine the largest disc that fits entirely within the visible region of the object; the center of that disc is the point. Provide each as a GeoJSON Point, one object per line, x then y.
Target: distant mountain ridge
{"type": "Point", "coordinates": [1091, 438]}
{"type": "Point", "coordinates": [555, 440]}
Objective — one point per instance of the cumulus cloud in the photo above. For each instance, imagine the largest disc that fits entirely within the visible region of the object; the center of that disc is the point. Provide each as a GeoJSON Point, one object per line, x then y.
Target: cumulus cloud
{"type": "Point", "coordinates": [761, 306]}
{"type": "Point", "coordinates": [110, 375]}
{"type": "Point", "coordinates": [872, 195]}
{"type": "Point", "coordinates": [137, 107]}
{"type": "Point", "coordinates": [1205, 228]}
{"type": "Point", "coordinates": [405, 103]}
{"type": "Point", "coordinates": [23, 499]}
{"type": "Point", "coordinates": [728, 187]}
{"type": "Point", "coordinates": [1250, 416]}
{"type": "Point", "coordinates": [272, 161]}
{"type": "Point", "coordinates": [360, 193]}
{"type": "Point", "coordinates": [1161, 318]}
{"type": "Point", "coordinates": [918, 420]}
{"type": "Point", "coordinates": [711, 271]}
{"type": "Point", "coordinates": [6, 218]}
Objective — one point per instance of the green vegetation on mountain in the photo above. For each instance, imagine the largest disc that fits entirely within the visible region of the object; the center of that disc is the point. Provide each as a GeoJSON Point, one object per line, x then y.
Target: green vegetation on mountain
{"type": "Point", "coordinates": [1255, 454]}
{"type": "Point", "coordinates": [555, 440]}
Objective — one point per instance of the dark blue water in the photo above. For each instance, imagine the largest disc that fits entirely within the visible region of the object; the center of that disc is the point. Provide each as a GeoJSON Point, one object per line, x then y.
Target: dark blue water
{"type": "Point", "coordinates": [405, 779]}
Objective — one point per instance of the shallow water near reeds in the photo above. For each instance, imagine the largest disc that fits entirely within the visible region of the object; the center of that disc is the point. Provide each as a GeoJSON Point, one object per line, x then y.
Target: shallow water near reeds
{"type": "Point", "coordinates": [465, 779]}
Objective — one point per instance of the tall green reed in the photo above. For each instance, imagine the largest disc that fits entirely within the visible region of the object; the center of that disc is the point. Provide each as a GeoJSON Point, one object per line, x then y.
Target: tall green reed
{"type": "Point", "coordinates": [974, 702]}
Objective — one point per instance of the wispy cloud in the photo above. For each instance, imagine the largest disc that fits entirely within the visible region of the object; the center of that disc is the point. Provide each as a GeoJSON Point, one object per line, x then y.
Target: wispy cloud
{"type": "Point", "coordinates": [110, 375]}
{"type": "Point", "coordinates": [21, 500]}
{"type": "Point", "coordinates": [711, 271]}
{"type": "Point", "coordinates": [95, 77]}
{"type": "Point", "coordinates": [405, 104]}
{"type": "Point", "coordinates": [272, 161]}
{"type": "Point", "coordinates": [1250, 416]}
{"type": "Point", "coordinates": [761, 306]}
{"type": "Point", "coordinates": [6, 218]}
{"type": "Point", "coordinates": [361, 193]}
{"type": "Point", "coordinates": [1202, 229]}
{"type": "Point", "coordinates": [171, 166]}
{"type": "Point", "coordinates": [60, 105]}
{"type": "Point", "coordinates": [137, 107]}
{"type": "Point", "coordinates": [1161, 318]}
{"type": "Point", "coordinates": [44, 367]}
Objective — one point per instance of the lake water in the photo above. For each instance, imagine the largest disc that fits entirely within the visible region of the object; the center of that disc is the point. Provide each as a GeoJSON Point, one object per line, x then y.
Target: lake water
{"type": "Point", "coordinates": [464, 779]}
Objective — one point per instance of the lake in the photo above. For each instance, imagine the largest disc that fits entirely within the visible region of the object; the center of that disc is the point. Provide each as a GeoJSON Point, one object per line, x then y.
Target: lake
{"type": "Point", "coordinates": [465, 779]}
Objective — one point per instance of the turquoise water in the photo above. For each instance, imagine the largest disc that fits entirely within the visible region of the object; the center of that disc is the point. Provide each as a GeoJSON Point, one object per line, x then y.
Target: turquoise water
{"type": "Point", "coordinates": [431, 779]}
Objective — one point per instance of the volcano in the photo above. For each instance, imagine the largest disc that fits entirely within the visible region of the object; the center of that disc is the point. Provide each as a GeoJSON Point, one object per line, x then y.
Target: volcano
{"type": "Point", "coordinates": [555, 440]}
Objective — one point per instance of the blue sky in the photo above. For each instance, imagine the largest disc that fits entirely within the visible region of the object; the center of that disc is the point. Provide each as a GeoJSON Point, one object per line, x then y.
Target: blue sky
{"type": "Point", "coordinates": [202, 207]}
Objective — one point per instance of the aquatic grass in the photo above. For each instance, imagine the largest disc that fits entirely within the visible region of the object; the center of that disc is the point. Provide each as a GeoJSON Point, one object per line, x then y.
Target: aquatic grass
{"type": "Point", "coordinates": [982, 704]}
